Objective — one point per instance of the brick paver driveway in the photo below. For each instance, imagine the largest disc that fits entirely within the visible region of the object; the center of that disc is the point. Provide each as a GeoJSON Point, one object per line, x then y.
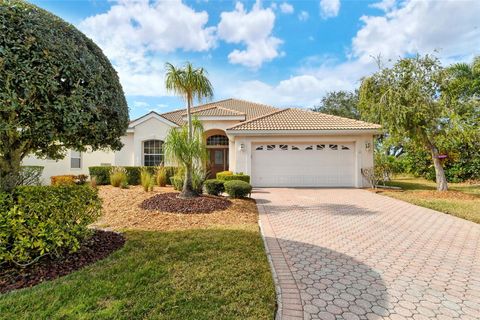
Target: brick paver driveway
{"type": "Point", "coordinates": [353, 254]}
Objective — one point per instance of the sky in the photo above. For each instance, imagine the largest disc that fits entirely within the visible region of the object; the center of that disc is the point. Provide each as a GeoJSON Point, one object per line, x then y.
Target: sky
{"type": "Point", "coordinates": [282, 53]}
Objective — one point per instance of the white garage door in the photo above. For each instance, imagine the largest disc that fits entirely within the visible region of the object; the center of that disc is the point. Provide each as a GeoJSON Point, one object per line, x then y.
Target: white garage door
{"type": "Point", "coordinates": [303, 165]}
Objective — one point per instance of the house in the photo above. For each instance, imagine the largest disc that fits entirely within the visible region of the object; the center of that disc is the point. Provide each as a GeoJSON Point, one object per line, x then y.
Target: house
{"type": "Point", "coordinates": [277, 147]}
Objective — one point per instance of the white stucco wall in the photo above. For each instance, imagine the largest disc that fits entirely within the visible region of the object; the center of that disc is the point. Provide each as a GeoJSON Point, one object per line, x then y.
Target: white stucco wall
{"type": "Point", "coordinates": [61, 167]}
{"type": "Point", "coordinates": [147, 130]}
{"type": "Point", "coordinates": [242, 160]}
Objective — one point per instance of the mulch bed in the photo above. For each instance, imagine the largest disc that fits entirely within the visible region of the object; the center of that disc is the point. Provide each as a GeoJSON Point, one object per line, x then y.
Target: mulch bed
{"type": "Point", "coordinates": [99, 246]}
{"type": "Point", "coordinates": [169, 202]}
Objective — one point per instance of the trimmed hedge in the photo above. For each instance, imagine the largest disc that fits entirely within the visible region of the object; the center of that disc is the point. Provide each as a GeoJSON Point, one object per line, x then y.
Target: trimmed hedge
{"type": "Point", "coordinates": [102, 173]}
{"type": "Point", "coordinates": [41, 220]}
{"type": "Point", "coordinates": [68, 179]}
{"type": "Point", "coordinates": [214, 186]}
{"type": "Point", "coordinates": [227, 176]}
{"type": "Point", "coordinates": [237, 188]}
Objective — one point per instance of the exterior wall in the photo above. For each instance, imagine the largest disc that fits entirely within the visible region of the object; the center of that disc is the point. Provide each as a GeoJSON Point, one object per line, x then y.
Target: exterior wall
{"type": "Point", "coordinates": [125, 156]}
{"type": "Point", "coordinates": [148, 130]}
{"type": "Point", "coordinates": [243, 150]}
{"type": "Point", "coordinates": [61, 167]}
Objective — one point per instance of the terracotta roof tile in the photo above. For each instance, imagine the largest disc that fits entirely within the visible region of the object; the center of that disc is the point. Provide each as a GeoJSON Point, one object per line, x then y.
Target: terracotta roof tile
{"type": "Point", "coordinates": [214, 111]}
{"type": "Point", "coordinates": [250, 109]}
{"type": "Point", "coordinates": [298, 119]}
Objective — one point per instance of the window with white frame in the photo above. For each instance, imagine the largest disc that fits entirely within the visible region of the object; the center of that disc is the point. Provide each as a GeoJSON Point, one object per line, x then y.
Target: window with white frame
{"type": "Point", "coordinates": [75, 159]}
{"type": "Point", "coordinates": [152, 152]}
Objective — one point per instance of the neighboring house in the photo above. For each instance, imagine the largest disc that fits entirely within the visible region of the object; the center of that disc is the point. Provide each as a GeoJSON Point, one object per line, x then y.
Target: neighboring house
{"type": "Point", "coordinates": [277, 147]}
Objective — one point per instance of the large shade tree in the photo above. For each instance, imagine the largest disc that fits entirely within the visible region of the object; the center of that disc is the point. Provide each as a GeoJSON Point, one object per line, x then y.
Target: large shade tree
{"type": "Point", "coordinates": [192, 84]}
{"type": "Point", "coordinates": [414, 100]}
{"type": "Point", "coordinates": [58, 91]}
{"type": "Point", "coordinates": [340, 103]}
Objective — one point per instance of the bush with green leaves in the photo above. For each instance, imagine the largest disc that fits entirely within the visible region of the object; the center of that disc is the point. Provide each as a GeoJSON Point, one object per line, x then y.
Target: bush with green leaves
{"type": "Point", "coordinates": [45, 220]}
{"type": "Point", "coordinates": [161, 176]}
{"type": "Point", "coordinates": [214, 187]}
{"type": "Point", "coordinates": [58, 91]}
{"type": "Point", "coordinates": [227, 176]}
{"type": "Point", "coordinates": [237, 188]}
{"type": "Point", "coordinates": [102, 173]}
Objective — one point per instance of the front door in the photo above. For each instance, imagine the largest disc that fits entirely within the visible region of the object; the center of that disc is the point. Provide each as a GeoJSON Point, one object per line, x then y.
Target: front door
{"type": "Point", "coordinates": [218, 160]}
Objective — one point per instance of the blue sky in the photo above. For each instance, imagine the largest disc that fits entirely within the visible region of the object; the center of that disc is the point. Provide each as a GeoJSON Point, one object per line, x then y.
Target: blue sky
{"type": "Point", "coordinates": [283, 53]}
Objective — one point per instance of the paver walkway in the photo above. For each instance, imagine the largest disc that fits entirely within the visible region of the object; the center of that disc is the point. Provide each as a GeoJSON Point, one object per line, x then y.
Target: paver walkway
{"type": "Point", "coordinates": [353, 254]}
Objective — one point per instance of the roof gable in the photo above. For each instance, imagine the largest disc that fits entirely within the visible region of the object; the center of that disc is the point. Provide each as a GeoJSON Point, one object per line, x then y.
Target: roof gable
{"type": "Point", "coordinates": [148, 116]}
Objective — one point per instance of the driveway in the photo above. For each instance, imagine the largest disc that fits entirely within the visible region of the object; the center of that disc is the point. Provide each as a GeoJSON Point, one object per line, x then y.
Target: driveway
{"type": "Point", "coordinates": [353, 254]}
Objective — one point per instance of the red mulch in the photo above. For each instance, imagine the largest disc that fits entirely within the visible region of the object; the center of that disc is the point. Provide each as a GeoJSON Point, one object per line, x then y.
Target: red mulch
{"type": "Point", "coordinates": [169, 202]}
{"type": "Point", "coordinates": [99, 246]}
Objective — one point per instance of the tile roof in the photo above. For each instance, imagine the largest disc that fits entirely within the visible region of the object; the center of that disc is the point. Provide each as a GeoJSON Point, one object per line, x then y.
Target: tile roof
{"type": "Point", "coordinates": [250, 109]}
{"type": "Point", "coordinates": [215, 111]}
{"type": "Point", "coordinates": [298, 119]}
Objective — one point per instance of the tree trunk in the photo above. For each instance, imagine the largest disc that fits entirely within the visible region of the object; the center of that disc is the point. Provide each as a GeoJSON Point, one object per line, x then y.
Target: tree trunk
{"type": "Point", "coordinates": [439, 172]}
{"type": "Point", "coordinates": [187, 190]}
{"type": "Point", "coordinates": [10, 169]}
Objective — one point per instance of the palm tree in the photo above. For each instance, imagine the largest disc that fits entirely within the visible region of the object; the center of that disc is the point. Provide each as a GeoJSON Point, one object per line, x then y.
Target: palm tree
{"type": "Point", "coordinates": [467, 77]}
{"type": "Point", "coordinates": [191, 84]}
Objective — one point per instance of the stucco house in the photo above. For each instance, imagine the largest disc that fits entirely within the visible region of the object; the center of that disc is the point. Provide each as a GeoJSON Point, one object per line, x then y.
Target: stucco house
{"type": "Point", "coordinates": [276, 147]}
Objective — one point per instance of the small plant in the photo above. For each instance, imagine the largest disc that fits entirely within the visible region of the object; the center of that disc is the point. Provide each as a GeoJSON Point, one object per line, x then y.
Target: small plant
{"type": "Point", "coordinates": [93, 182]}
{"type": "Point", "coordinates": [214, 186]}
{"type": "Point", "coordinates": [118, 176]}
{"type": "Point", "coordinates": [63, 180]}
{"type": "Point", "coordinates": [237, 188]}
{"type": "Point", "coordinates": [147, 180]}
{"type": "Point", "coordinates": [373, 176]}
{"type": "Point", "coordinates": [161, 176]}
{"type": "Point", "coordinates": [124, 185]}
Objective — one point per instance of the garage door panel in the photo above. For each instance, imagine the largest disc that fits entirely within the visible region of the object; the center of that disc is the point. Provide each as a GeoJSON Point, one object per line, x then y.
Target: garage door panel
{"type": "Point", "coordinates": [303, 165]}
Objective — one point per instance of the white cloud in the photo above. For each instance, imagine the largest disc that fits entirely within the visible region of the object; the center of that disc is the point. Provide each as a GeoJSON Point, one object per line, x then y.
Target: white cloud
{"type": "Point", "coordinates": [385, 5]}
{"type": "Point", "coordinates": [133, 34]}
{"type": "Point", "coordinates": [253, 29]}
{"type": "Point", "coordinates": [286, 8]}
{"type": "Point", "coordinates": [303, 16]}
{"type": "Point", "coordinates": [329, 8]}
{"type": "Point", "coordinates": [421, 27]}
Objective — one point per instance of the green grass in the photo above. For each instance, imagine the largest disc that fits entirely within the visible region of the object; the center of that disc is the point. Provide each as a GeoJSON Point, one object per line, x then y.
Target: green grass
{"type": "Point", "coordinates": [462, 199]}
{"type": "Point", "coordinates": [194, 274]}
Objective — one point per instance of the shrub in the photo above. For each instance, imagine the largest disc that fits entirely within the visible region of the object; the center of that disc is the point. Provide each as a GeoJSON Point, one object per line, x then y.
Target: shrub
{"type": "Point", "coordinates": [41, 220]}
{"type": "Point", "coordinates": [177, 183]}
{"type": "Point", "coordinates": [101, 174]}
{"type": "Point", "coordinates": [146, 180]}
{"type": "Point", "coordinates": [222, 174]}
{"type": "Point", "coordinates": [214, 186]}
{"type": "Point", "coordinates": [231, 176]}
{"type": "Point", "coordinates": [161, 176]}
{"type": "Point", "coordinates": [118, 176]}
{"type": "Point", "coordinates": [237, 188]}
{"type": "Point", "coordinates": [63, 180]}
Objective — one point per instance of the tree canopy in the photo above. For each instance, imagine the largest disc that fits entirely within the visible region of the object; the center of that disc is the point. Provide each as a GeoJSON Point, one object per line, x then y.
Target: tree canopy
{"type": "Point", "coordinates": [416, 99]}
{"type": "Point", "coordinates": [340, 103]}
{"type": "Point", "coordinates": [58, 91]}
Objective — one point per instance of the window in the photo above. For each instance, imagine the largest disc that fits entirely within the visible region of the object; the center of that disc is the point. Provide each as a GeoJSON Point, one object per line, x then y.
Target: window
{"type": "Point", "coordinates": [217, 140]}
{"type": "Point", "coordinates": [333, 147]}
{"type": "Point", "coordinates": [345, 147]}
{"type": "Point", "coordinates": [295, 148]}
{"type": "Point", "coordinates": [75, 159]}
{"type": "Point", "coordinates": [152, 152]}
{"type": "Point", "coordinates": [309, 148]}
{"type": "Point", "coordinates": [320, 146]}
{"type": "Point", "coordinates": [270, 146]}
{"type": "Point", "coordinates": [283, 147]}
{"type": "Point", "coordinates": [259, 148]}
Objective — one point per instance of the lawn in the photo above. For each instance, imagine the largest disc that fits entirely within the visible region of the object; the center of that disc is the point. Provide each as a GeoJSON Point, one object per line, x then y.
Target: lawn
{"type": "Point", "coordinates": [462, 199]}
{"type": "Point", "coordinates": [211, 271]}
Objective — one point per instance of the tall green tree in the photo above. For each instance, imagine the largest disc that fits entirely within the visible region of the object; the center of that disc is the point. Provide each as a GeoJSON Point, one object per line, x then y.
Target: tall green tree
{"type": "Point", "coordinates": [412, 100]}
{"type": "Point", "coordinates": [58, 91]}
{"type": "Point", "coordinates": [191, 84]}
{"type": "Point", "coordinates": [340, 103]}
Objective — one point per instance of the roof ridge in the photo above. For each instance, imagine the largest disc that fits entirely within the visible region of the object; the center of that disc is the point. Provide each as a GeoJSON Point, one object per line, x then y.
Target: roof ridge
{"type": "Point", "coordinates": [279, 110]}
{"type": "Point", "coordinates": [340, 117]}
{"type": "Point", "coordinates": [199, 106]}
{"type": "Point", "coordinates": [260, 104]}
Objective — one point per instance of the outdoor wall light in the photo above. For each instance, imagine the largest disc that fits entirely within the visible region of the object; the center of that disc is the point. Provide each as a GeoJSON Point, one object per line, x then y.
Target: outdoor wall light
{"type": "Point", "coordinates": [242, 147]}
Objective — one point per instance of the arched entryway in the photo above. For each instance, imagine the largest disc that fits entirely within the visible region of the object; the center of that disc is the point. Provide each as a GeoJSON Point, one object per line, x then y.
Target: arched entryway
{"type": "Point", "coordinates": [217, 146]}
